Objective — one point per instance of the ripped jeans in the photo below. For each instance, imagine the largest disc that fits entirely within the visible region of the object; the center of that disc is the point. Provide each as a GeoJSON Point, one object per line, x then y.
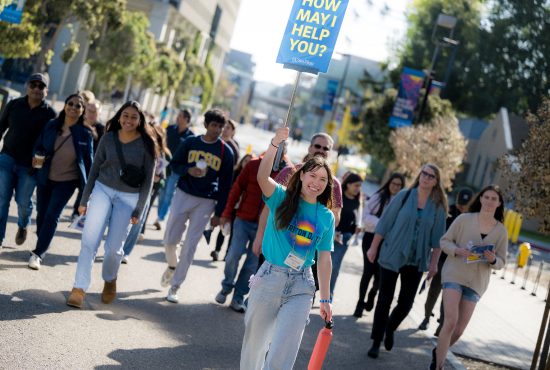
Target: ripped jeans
{"type": "Point", "coordinates": [277, 314]}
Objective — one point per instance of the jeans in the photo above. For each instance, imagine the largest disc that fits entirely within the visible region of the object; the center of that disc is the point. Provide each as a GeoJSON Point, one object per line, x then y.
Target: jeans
{"type": "Point", "coordinates": [133, 236]}
{"type": "Point", "coordinates": [277, 314]}
{"type": "Point", "coordinates": [244, 233]}
{"type": "Point", "coordinates": [410, 280]}
{"type": "Point", "coordinates": [111, 206]}
{"type": "Point", "coordinates": [50, 202]}
{"type": "Point", "coordinates": [337, 256]}
{"type": "Point", "coordinates": [15, 177]}
{"type": "Point", "coordinates": [433, 292]}
{"type": "Point", "coordinates": [166, 194]}
{"type": "Point", "coordinates": [369, 270]}
{"type": "Point", "coordinates": [145, 216]}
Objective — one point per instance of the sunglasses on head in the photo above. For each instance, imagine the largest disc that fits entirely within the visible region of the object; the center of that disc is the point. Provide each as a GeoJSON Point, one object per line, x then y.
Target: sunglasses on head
{"type": "Point", "coordinates": [325, 148]}
{"type": "Point", "coordinates": [34, 85]}
{"type": "Point", "coordinates": [78, 105]}
{"type": "Point", "coordinates": [428, 175]}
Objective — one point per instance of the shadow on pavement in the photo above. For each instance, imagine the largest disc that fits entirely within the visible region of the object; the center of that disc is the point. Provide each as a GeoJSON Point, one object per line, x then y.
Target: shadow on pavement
{"type": "Point", "coordinates": [49, 260]}
{"type": "Point", "coordinates": [28, 304]}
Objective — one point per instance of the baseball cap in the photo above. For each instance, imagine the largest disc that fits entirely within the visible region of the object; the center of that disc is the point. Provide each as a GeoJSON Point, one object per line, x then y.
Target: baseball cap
{"type": "Point", "coordinates": [464, 196]}
{"type": "Point", "coordinates": [40, 78]}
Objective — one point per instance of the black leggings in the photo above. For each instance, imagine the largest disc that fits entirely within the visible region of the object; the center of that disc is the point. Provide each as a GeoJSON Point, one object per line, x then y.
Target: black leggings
{"type": "Point", "coordinates": [369, 270]}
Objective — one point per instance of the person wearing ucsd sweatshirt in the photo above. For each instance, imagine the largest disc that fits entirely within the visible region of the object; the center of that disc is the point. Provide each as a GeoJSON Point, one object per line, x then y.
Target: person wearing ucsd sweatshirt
{"type": "Point", "coordinates": [205, 166]}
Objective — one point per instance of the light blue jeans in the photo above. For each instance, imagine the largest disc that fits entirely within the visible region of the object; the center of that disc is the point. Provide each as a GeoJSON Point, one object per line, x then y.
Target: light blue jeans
{"type": "Point", "coordinates": [244, 233]}
{"type": "Point", "coordinates": [15, 177]}
{"type": "Point", "coordinates": [135, 230]}
{"type": "Point", "coordinates": [337, 257]}
{"type": "Point", "coordinates": [277, 314]}
{"type": "Point", "coordinates": [166, 194]}
{"type": "Point", "coordinates": [111, 206]}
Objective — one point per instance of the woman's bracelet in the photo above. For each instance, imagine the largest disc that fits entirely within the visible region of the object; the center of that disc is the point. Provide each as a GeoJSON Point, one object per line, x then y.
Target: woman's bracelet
{"type": "Point", "coordinates": [325, 301]}
{"type": "Point", "coordinates": [274, 144]}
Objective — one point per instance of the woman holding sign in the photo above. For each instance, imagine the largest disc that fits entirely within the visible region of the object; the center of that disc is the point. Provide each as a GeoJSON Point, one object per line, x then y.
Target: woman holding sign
{"type": "Point", "coordinates": [465, 276]}
{"type": "Point", "coordinates": [299, 223]}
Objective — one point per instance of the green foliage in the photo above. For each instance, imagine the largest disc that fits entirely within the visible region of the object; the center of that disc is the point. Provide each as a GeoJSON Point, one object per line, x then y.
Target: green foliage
{"type": "Point", "coordinates": [70, 51]}
{"type": "Point", "coordinates": [20, 40]}
{"type": "Point", "coordinates": [224, 94]}
{"type": "Point", "coordinates": [3, 3]}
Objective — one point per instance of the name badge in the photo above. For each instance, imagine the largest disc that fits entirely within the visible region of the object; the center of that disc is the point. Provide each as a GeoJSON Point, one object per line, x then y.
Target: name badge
{"type": "Point", "coordinates": [294, 261]}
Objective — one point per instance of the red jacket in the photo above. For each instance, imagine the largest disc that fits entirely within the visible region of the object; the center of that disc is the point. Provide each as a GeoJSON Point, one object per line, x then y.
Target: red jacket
{"type": "Point", "coordinates": [247, 186]}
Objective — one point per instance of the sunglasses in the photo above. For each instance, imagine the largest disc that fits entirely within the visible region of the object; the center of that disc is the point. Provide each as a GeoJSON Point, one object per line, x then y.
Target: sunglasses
{"type": "Point", "coordinates": [33, 86]}
{"type": "Point", "coordinates": [325, 148]}
{"type": "Point", "coordinates": [428, 175]}
{"type": "Point", "coordinates": [78, 105]}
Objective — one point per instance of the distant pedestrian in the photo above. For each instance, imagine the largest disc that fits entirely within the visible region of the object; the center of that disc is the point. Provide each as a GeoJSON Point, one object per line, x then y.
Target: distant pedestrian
{"type": "Point", "coordinates": [350, 223]}
{"type": "Point", "coordinates": [88, 97]}
{"type": "Point", "coordinates": [24, 118]}
{"type": "Point", "coordinates": [463, 197]}
{"type": "Point", "coordinates": [205, 166]}
{"type": "Point", "coordinates": [119, 185]}
{"type": "Point", "coordinates": [175, 135]}
{"type": "Point", "coordinates": [300, 223]}
{"type": "Point", "coordinates": [412, 225]}
{"type": "Point", "coordinates": [465, 283]}
{"type": "Point", "coordinates": [371, 215]}
{"type": "Point", "coordinates": [67, 144]}
{"type": "Point", "coordinates": [228, 134]}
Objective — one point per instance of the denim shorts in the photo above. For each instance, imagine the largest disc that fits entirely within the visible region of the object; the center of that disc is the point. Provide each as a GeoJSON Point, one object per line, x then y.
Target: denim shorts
{"type": "Point", "coordinates": [467, 293]}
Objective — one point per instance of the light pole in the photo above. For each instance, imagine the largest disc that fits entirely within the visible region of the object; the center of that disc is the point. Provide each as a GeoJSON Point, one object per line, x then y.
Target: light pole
{"type": "Point", "coordinates": [446, 21]}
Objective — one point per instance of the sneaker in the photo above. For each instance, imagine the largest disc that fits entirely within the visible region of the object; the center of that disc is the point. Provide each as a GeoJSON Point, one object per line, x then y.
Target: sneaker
{"type": "Point", "coordinates": [125, 259]}
{"type": "Point", "coordinates": [158, 224]}
{"type": "Point", "coordinates": [222, 296]}
{"type": "Point", "coordinates": [433, 362]}
{"type": "Point", "coordinates": [166, 277]}
{"type": "Point", "coordinates": [34, 262]}
{"type": "Point", "coordinates": [388, 341]}
{"type": "Point", "coordinates": [21, 235]}
{"type": "Point", "coordinates": [359, 309]}
{"type": "Point", "coordinates": [173, 295]}
{"type": "Point", "coordinates": [0, 246]}
{"type": "Point", "coordinates": [141, 237]}
{"type": "Point", "coordinates": [424, 324]}
{"type": "Point", "coordinates": [214, 255]}
{"type": "Point", "coordinates": [374, 352]}
{"type": "Point", "coordinates": [238, 306]}
{"type": "Point", "coordinates": [438, 330]}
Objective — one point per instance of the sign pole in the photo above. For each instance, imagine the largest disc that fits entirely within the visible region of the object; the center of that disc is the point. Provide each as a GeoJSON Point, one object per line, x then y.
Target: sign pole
{"type": "Point", "coordinates": [288, 115]}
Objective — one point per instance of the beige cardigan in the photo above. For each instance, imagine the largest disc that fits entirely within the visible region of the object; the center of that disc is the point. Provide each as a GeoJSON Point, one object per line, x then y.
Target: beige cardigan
{"type": "Point", "coordinates": [474, 275]}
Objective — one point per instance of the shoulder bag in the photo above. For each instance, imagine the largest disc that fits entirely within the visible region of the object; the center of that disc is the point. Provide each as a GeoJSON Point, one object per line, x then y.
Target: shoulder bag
{"type": "Point", "coordinates": [131, 175]}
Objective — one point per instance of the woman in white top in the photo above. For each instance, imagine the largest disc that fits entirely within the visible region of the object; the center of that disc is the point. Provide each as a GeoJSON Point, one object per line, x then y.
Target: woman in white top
{"type": "Point", "coordinates": [371, 215]}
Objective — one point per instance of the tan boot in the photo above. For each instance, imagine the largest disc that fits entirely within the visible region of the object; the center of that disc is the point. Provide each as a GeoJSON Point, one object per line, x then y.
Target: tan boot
{"type": "Point", "coordinates": [109, 292]}
{"type": "Point", "coordinates": [76, 298]}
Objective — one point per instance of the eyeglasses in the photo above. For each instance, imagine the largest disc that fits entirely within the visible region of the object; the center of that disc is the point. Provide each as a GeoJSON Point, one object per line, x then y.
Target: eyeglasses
{"type": "Point", "coordinates": [33, 86]}
{"type": "Point", "coordinates": [325, 148]}
{"type": "Point", "coordinates": [78, 105]}
{"type": "Point", "coordinates": [428, 175]}
{"type": "Point", "coordinates": [397, 185]}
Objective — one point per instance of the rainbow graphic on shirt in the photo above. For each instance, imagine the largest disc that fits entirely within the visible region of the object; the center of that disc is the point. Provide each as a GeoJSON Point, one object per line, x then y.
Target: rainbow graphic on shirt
{"type": "Point", "coordinates": [305, 235]}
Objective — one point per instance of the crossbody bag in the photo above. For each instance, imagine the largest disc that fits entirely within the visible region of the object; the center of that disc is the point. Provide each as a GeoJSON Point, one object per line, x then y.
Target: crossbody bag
{"type": "Point", "coordinates": [131, 175]}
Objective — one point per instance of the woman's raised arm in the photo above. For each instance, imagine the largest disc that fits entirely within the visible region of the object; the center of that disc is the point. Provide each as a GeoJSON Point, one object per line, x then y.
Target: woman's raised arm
{"type": "Point", "coordinates": [267, 184]}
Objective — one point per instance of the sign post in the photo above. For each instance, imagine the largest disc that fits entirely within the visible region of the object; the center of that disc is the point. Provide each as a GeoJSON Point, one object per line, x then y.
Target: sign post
{"type": "Point", "coordinates": [308, 42]}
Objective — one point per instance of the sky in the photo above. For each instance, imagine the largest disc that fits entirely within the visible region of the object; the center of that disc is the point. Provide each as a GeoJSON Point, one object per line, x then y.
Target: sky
{"type": "Point", "coordinates": [365, 32]}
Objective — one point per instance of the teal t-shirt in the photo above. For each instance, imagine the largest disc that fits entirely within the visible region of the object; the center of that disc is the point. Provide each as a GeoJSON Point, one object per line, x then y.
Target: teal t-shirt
{"type": "Point", "coordinates": [277, 244]}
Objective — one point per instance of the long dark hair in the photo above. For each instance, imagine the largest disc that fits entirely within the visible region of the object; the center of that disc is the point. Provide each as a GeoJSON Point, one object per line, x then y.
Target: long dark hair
{"type": "Point", "coordinates": [289, 206]}
{"type": "Point", "coordinates": [475, 204]}
{"type": "Point", "coordinates": [350, 179]}
{"type": "Point", "coordinates": [81, 119]}
{"type": "Point", "coordinates": [438, 193]}
{"type": "Point", "coordinates": [147, 131]}
{"type": "Point", "coordinates": [161, 139]}
{"type": "Point", "coordinates": [385, 193]}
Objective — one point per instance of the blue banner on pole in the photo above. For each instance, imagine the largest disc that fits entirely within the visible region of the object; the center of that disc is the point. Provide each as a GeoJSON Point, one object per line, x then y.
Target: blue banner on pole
{"type": "Point", "coordinates": [311, 33]}
{"type": "Point", "coordinates": [407, 97]}
{"type": "Point", "coordinates": [330, 94]}
{"type": "Point", "coordinates": [13, 11]}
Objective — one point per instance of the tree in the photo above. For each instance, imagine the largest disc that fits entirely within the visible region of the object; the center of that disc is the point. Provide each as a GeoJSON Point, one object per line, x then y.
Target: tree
{"type": "Point", "coordinates": [20, 40]}
{"type": "Point", "coordinates": [441, 142]}
{"type": "Point", "coordinates": [529, 169]}
{"type": "Point", "coordinates": [225, 92]}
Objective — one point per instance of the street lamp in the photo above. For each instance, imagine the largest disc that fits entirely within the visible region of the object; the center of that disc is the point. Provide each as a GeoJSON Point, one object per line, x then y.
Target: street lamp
{"type": "Point", "coordinates": [445, 21]}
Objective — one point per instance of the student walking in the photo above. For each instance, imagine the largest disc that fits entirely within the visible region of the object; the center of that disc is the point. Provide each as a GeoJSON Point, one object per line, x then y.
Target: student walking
{"type": "Point", "coordinates": [411, 227]}
{"type": "Point", "coordinates": [465, 283]}
{"type": "Point", "coordinates": [205, 166]}
{"type": "Point", "coordinates": [350, 223]}
{"type": "Point", "coordinates": [118, 187]}
{"type": "Point", "coordinates": [67, 144]}
{"type": "Point", "coordinates": [374, 209]}
{"type": "Point", "coordinates": [228, 134]}
{"type": "Point", "coordinates": [300, 222]}
{"type": "Point", "coordinates": [24, 119]}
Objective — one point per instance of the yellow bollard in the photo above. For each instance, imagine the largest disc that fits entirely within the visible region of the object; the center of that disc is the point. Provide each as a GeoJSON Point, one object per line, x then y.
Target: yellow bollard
{"type": "Point", "coordinates": [517, 227]}
{"type": "Point", "coordinates": [249, 150]}
{"type": "Point", "coordinates": [524, 254]}
{"type": "Point", "coordinates": [509, 222]}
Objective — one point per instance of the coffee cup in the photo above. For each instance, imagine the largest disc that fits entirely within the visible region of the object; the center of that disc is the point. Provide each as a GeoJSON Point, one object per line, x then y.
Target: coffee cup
{"type": "Point", "coordinates": [39, 156]}
{"type": "Point", "coordinates": [226, 230]}
{"type": "Point", "coordinates": [202, 166]}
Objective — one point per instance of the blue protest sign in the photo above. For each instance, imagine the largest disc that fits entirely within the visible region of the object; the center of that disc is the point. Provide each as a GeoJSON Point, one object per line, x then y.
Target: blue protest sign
{"type": "Point", "coordinates": [330, 94]}
{"type": "Point", "coordinates": [13, 11]}
{"type": "Point", "coordinates": [407, 97]}
{"type": "Point", "coordinates": [311, 33]}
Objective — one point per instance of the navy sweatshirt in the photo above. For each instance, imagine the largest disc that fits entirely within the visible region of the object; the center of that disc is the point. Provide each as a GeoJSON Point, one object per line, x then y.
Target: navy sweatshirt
{"type": "Point", "coordinates": [219, 175]}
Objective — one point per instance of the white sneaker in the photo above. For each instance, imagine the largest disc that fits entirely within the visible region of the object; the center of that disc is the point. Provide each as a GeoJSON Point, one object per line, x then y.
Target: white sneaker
{"type": "Point", "coordinates": [238, 306]}
{"type": "Point", "coordinates": [34, 262]}
{"type": "Point", "coordinates": [140, 238]}
{"type": "Point", "coordinates": [166, 277]}
{"type": "Point", "coordinates": [222, 296]}
{"type": "Point", "coordinates": [173, 295]}
{"type": "Point", "coordinates": [125, 259]}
